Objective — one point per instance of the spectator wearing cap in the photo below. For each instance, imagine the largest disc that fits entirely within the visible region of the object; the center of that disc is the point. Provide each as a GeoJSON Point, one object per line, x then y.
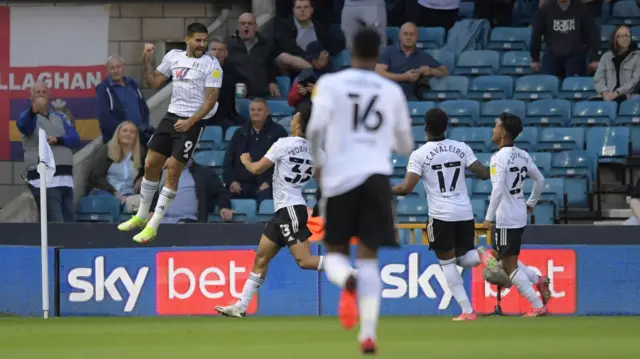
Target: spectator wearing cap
{"type": "Point", "coordinates": [406, 65]}
{"type": "Point", "coordinates": [295, 33]}
{"type": "Point", "coordinates": [301, 89]}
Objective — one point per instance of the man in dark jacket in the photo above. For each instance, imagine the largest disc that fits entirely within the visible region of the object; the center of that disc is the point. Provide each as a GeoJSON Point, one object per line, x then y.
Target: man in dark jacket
{"type": "Point", "coordinates": [255, 138]}
{"type": "Point", "coordinates": [119, 99]}
{"type": "Point", "coordinates": [570, 35]}
{"type": "Point", "coordinates": [226, 115]}
{"type": "Point", "coordinates": [253, 59]}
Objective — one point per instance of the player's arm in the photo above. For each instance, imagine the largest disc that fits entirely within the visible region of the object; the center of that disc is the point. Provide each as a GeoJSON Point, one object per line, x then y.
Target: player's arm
{"type": "Point", "coordinates": [267, 161]}
{"type": "Point", "coordinates": [321, 111]}
{"type": "Point", "coordinates": [403, 138]}
{"type": "Point", "coordinates": [212, 85]}
{"type": "Point", "coordinates": [538, 184]}
{"type": "Point", "coordinates": [155, 78]}
{"type": "Point", "coordinates": [480, 170]}
{"type": "Point", "coordinates": [498, 178]}
{"type": "Point", "coordinates": [414, 170]}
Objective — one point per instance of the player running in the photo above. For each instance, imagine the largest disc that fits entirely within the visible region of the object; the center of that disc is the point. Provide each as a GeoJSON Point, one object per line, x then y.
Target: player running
{"type": "Point", "coordinates": [288, 226]}
{"type": "Point", "coordinates": [509, 168]}
{"type": "Point", "coordinates": [197, 78]}
{"type": "Point", "coordinates": [358, 118]}
{"type": "Point", "coordinates": [441, 163]}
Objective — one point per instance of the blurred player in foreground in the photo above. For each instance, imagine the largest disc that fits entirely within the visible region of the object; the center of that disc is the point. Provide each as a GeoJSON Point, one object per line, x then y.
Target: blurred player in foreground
{"type": "Point", "coordinates": [441, 163]}
{"type": "Point", "coordinates": [288, 226]}
{"type": "Point", "coordinates": [509, 168]}
{"type": "Point", "coordinates": [358, 118]}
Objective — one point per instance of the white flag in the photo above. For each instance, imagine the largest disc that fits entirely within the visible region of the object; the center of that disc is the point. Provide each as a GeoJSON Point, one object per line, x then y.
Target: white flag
{"type": "Point", "coordinates": [45, 156]}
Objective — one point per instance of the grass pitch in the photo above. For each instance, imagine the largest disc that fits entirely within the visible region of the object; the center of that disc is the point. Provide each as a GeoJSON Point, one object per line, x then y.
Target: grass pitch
{"type": "Point", "coordinates": [318, 338]}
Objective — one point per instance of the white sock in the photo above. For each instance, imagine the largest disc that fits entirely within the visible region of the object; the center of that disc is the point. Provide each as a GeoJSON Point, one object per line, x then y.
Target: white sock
{"type": "Point", "coordinates": [250, 288]}
{"type": "Point", "coordinates": [469, 260]}
{"type": "Point", "coordinates": [321, 264]}
{"type": "Point", "coordinates": [520, 280]}
{"type": "Point", "coordinates": [338, 269]}
{"type": "Point", "coordinates": [369, 290]}
{"type": "Point", "coordinates": [528, 272]}
{"type": "Point", "coordinates": [456, 284]}
{"type": "Point", "coordinates": [164, 202]}
{"type": "Point", "coordinates": [147, 191]}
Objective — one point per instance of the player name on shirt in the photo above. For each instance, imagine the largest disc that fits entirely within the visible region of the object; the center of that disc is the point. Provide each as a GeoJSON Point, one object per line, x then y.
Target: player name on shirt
{"type": "Point", "coordinates": [441, 149]}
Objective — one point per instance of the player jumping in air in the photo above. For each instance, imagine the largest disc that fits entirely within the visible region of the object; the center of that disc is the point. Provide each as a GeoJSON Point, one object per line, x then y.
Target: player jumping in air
{"type": "Point", "coordinates": [288, 226]}
{"type": "Point", "coordinates": [197, 78]}
{"type": "Point", "coordinates": [509, 168]}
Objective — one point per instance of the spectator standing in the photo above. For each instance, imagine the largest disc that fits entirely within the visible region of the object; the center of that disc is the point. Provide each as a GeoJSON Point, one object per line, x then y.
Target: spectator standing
{"type": "Point", "coordinates": [119, 100]}
{"type": "Point", "coordinates": [301, 89]}
{"type": "Point", "coordinates": [322, 10]}
{"type": "Point", "coordinates": [62, 137]}
{"type": "Point", "coordinates": [436, 13]}
{"type": "Point", "coordinates": [256, 138]}
{"type": "Point", "coordinates": [373, 13]}
{"type": "Point", "coordinates": [118, 167]}
{"type": "Point", "coordinates": [253, 59]}
{"type": "Point", "coordinates": [406, 65]}
{"type": "Point", "coordinates": [618, 71]}
{"type": "Point", "coordinates": [296, 32]}
{"type": "Point", "coordinates": [226, 115]}
{"type": "Point", "coordinates": [570, 37]}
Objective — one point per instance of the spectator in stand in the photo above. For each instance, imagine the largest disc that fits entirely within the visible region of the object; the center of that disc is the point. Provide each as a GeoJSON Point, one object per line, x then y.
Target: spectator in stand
{"type": "Point", "coordinates": [595, 9]}
{"type": "Point", "coordinates": [321, 64]}
{"type": "Point", "coordinates": [618, 71]}
{"type": "Point", "coordinates": [322, 10]}
{"type": "Point", "coordinates": [570, 36]}
{"type": "Point", "coordinates": [408, 66]}
{"type": "Point", "coordinates": [634, 204]}
{"type": "Point", "coordinates": [226, 115]}
{"type": "Point", "coordinates": [200, 192]}
{"type": "Point", "coordinates": [118, 167]}
{"type": "Point", "coordinates": [355, 13]}
{"type": "Point", "coordinates": [62, 138]}
{"type": "Point", "coordinates": [497, 12]}
{"type": "Point", "coordinates": [119, 100]}
{"type": "Point", "coordinates": [295, 33]}
{"type": "Point", "coordinates": [436, 13]}
{"type": "Point", "coordinates": [253, 59]}
{"type": "Point", "coordinates": [256, 138]}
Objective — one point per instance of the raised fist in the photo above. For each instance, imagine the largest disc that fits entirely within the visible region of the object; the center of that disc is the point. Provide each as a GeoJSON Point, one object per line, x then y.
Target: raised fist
{"type": "Point", "coordinates": [148, 51]}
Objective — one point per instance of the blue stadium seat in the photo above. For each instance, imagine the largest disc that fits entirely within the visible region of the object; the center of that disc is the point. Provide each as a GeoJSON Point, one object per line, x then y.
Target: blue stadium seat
{"type": "Point", "coordinates": [605, 33]}
{"type": "Point", "coordinates": [393, 34]}
{"type": "Point", "coordinates": [100, 208]}
{"type": "Point", "coordinates": [466, 10]}
{"type": "Point", "coordinates": [447, 88]}
{"type": "Point", "coordinates": [343, 59]}
{"type": "Point", "coordinates": [561, 139]}
{"type": "Point", "coordinates": [629, 113]}
{"type": "Point", "coordinates": [477, 138]}
{"type": "Point", "coordinates": [412, 209]}
{"type": "Point", "coordinates": [279, 109]}
{"type": "Point", "coordinates": [625, 12]}
{"type": "Point", "coordinates": [478, 62]}
{"type": "Point", "coordinates": [528, 139]}
{"type": "Point", "coordinates": [213, 159]}
{"type": "Point", "coordinates": [510, 38]}
{"type": "Point", "coordinates": [635, 34]}
{"type": "Point", "coordinates": [309, 188]}
{"type": "Point", "coordinates": [461, 112]}
{"type": "Point", "coordinates": [588, 113]}
{"type": "Point", "coordinates": [543, 214]}
{"type": "Point", "coordinates": [552, 192]}
{"type": "Point", "coordinates": [542, 161]}
{"type": "Point", "coordinates": [548, 112]}
{"type": "Point", "coordinates": [246, 211]}
{"type": "Point", "coordinates": [577, 88]}
{"type": "Point", "coordinates": [635, 140]}
{"type": "Point", "coordinates": [228, 134]}
{"type": "Point", "coordinates": [399, 165]}
{"type": "Point", "coordinates": [493, 109]}
{"type": "Point", "coordinates": [445, 57]}
{"type": "Point", "coordinates": [469, 183]}
{"type": "Point", "coordinates": [608, 144]}
{"type": "Point", "coordinates": [265, 211]}
{"type": "Point", "coordinates": [242, 107]}
{"type": "Point", "coordinates": [211, 138]}
{"type": "Point", "coordinates": [479, 207]}
{"type": "Point", "coordinates": [430, 37]}
{"type": "Point", "coordinates": [419, 136]}
{"type": "Point", "coordinates": [418, 109]}
{"type": "Point", "coordinates": [284, 84]}
{"type": "Point", "coordinates": [482, 189]}
{"type": "Point", "coordinates": [534, 87]}
{"type": "Point", "coordinates": [491, 87]}
{"type": "Point", "coordinates": [576, 169]}
{"type": "Point", "coordinates": [311, 202]}
{"type": "Point", "coordinates": [606, 13]}
{"type": "Point", "coordinates": [516, 63]}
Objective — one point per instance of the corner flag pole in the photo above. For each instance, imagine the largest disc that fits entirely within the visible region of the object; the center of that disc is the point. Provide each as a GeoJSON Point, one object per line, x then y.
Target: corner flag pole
{"type": "Point", "coordinates": [44, 240]}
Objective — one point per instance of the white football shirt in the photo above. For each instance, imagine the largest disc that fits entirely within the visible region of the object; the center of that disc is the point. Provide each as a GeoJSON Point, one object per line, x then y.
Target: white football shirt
{"type": "Point", "coordinates": [190, 78]}
{"type": "Point", "coordinates": [293, 169]}
{"type": "Point", "coordinates": [442, 164]}
{"type": "Point", "coordinates": [358, 118]}
{"type": "Point", "coordinates": [509, 168]}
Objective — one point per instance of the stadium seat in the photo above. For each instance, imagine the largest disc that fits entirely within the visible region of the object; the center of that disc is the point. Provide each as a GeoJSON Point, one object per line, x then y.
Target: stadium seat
{"type": "Point", "coordinates": [548, 112]}
{"type": "Point", "coordinates": [311, 202]}
{"type": "Point", "coordinates": [469, 183]}
{"type": "Point", "coordinates": [399, 165]}
{"type": "Point", "coordinates": [605, 33]}
{"type": "Point", "coordinates": [635, 140]}
{"type": "Point", "coordinates": [242, 107]}
{"type": "Point", "coordinates": [561, 139]}
{"type": "Point", "coordinates": [493, 109]}
{"type": "Point", "coordinates": [284, 84]}
{"type": "Point", "coordinates": [516, 63]}
{"type": "Point", "coordinates": [445, 57]}
{"type": "Point", "coordinates": [466, 10]}
{"type": "Point", "coordinates": [542, 161]}
{"type": "Point", "coordinates": [577, 88]}
{"type": "Point", "coordinates": [576, 169]}
{"type": "Point", "coordinates": [534, 87]}
{"type": "Point", "coordinates": [245, 211]}
{"type": "Point", "coordinates": [589, 113]}
{"type": "Point", "coordinates": [430, 37]}
{"type": "Point", "coordinates": [211, 138]}
{"type": "Point", "coordinates": [543, 214]}
{"type": "Point", "coordinates": [213, 159]}
{"type": "Point", "coordinates": [606, 13]}
{"type": "Point", "coordinates": [629, 113]}
{"type": "Point", "coordinates": [528, 139]}
{"type": "Point", "coordinates": [510, 38]}
{"type": "Point", "coordinates": [491, 87]}
{"type": "Point", "coordinates": [552, 192]}
{"type": "Point", "coordinates": [482, 189]}
{"type": "Point", "coordinates": [393, 35]}
{"type": "Point", "coordinates": [477, 138]}
{"type": "Point", "coordinates": [279, 109]}
{"type": "Point", "coordinates": [419, 135]}
{"type": "Point", "coordinates": [479, 207]}
{"type": "Point", "coordinates": [100, 208]}
{"type": "Point", "coordinates": [447, 88]}
{"type": "Point", "coordinates": [625, 12]}
{"type": "Point", "coordinates": [411, 210]}
{"type": "Point", "coordinates": [417, 111]}
{"type": "Point", "coordinates": [265, 211]}
{"type": "Point", "coordinates": [461, 112]}
{"type": "Point", "coordinates": [228, 134]}
{"type": "Point", "coordinates": [608, 144]}
{"type": "Point", "coordinates": [478, 62]}
{"type": "Point", "coordinates": [309, 188]}
{"type": "Point", "coordinates": [635, 34]}
{"type": "Point", "coordinates": [343, 59]}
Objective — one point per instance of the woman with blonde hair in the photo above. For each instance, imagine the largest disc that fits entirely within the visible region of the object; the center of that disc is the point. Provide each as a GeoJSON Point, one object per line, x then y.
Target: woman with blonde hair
{"type": "Point", "coordinates": [119, 166]}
